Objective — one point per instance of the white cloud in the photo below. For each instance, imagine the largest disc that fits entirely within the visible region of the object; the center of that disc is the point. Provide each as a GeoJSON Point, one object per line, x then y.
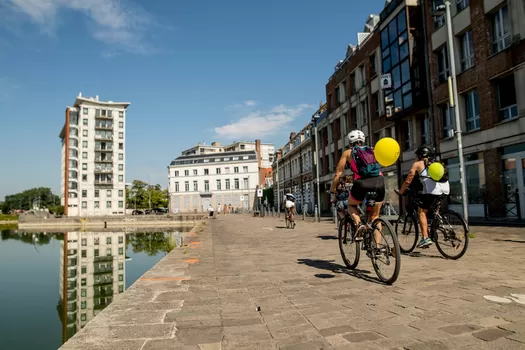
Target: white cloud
{"type": "Point", "coordinates": [113, 22]}
{"type": "Point", "coordinates": [250, 103]}
{"type": "Point", "coordinates": [258, 124]}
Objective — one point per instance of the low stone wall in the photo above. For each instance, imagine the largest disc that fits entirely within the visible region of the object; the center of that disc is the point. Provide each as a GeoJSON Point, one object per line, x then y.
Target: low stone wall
{"type": "Point", "coordinates": [8, 222]}
{"type": "Point", "coordinates": [31, 221]}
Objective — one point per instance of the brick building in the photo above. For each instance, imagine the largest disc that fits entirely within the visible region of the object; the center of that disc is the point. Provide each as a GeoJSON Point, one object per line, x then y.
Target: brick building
{"type": "Point", "coordinates": [355, 101]}
{"type": "Point", "coordinates": [490, 64]}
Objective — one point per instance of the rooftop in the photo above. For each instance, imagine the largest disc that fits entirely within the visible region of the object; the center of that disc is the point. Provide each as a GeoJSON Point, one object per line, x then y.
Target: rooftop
{"type": "Point", "coordinates": [95, 101]}
{"type": "Point", "coordinates": [212, 157]}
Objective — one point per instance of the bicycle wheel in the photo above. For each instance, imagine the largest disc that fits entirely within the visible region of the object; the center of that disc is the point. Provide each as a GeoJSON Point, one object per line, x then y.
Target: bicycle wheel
{"type": "Point", "coordinates": [451, 232]}
{"type": "Point", "coordinates": [388, 256]}
{"type": "Point", "coordinates": [407, 231]}
{"type": "Point", "coordinates": [350, 250]}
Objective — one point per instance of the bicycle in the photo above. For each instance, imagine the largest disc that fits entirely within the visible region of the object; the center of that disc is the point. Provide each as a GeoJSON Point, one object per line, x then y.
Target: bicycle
{"type": "Point", "coordinates": [439, 226]}
{"type": "Point", "coordinates": [348, 237]}
{"type": "Point", "coordinates": [289, 219]}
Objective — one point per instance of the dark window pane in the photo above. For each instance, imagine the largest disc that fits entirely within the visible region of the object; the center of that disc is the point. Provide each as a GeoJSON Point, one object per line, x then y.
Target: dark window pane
{"type": "Point", "coordinates": [386, 52]}
{"type": "Point", "coordinates": [406, 88]}
{"type": "Point", "coordinates": [384, 38]}
{"type": "Point", "coordinates": [396, 78]}
{"type": "Point", "coordinates": [392, 29]}
{"type": "Point", "coordinates": [398, 101]}
{"type": "Point", "coordinates": [394, 53]}
{"type": "Point", "coordinates": [405, 71]}
{"type": "Point", "coordinates": [407, 100]}
{"type": "Point", "coordinates": [401, 22]}
{"type": "Point", "coordinates": [386, 65]}
{"type": "Point", "coordinates": [403, 50]}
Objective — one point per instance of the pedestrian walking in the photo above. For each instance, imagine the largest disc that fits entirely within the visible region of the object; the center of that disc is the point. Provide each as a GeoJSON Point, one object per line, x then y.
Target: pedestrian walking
{"type": "Point", "coordinates": [219, 210]}
{"type": "Point", "coordinates": [210, 211]}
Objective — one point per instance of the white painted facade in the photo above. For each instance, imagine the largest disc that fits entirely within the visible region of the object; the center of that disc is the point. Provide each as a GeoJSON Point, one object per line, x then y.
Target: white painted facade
{"type": "Point", "coordinates": [96, 274]}
{"type": "Point", "coordinates": [94, 158]}
{"type": "Point", "coordinates": [267, 150]}
{"type": "Point", "coordinates": [199, 180]}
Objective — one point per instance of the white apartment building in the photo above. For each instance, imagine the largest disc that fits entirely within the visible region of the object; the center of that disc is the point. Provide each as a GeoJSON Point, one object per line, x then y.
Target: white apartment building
{"type": "Point", "coordinates": [218, 177]}
{"type": "Point", "coordinates": [93, 158]}
{"type": "Point", "coordinates": [92, 274]}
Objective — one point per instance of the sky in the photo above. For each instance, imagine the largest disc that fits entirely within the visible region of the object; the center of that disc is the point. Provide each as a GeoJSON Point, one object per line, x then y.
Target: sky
{"type": "Point", "coordinates": [194, 71]}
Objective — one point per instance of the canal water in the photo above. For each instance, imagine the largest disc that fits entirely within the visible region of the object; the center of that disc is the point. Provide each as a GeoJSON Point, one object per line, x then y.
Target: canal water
{"type": "Point", "coordinates": [52, 284]}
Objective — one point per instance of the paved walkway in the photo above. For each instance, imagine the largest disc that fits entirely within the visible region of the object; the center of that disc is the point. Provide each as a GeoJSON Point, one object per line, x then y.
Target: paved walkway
{"type": "Point", "coordinates": [249, 283]}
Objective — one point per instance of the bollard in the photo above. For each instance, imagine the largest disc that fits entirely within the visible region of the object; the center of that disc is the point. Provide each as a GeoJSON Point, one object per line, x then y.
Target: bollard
{"type": "Point", "coordinates": [316, 214]}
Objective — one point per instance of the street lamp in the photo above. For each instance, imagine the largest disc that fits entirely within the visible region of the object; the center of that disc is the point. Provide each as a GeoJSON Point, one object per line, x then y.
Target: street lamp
{"type": "Point", "coordinates": [278, 188]}
{"type": "Point", "coordinates": [453, 100]}
{"type": "Point", "coordinates": [315, 119]}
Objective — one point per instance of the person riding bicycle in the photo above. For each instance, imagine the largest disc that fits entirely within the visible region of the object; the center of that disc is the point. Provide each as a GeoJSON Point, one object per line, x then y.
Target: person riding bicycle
{"type": "Point", "coordinates": [424, 188]}
{"type": "Point", "coordinates": [368, 179]}
{"type": "Point", "coordinates": [290, 205]}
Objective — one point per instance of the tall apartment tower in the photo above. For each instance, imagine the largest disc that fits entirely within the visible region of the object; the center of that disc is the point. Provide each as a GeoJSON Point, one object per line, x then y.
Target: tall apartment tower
{"type": "Point", "coordinates": [93, 158]}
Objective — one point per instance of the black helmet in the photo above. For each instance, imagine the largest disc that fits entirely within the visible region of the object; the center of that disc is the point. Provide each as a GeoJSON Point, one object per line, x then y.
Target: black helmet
{"type": "Point", "coordinates": [423, 152]}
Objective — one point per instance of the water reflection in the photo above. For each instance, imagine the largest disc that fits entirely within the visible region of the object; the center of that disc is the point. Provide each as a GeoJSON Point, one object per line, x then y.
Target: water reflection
{"type": "Point", "coordinates": [92, 270]}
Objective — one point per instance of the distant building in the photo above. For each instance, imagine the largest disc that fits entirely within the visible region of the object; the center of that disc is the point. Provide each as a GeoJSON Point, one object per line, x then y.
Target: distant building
{"type": "Point", "coordinates": [211, 175]}
{"type": "Point", "coordinates": [93, 158]}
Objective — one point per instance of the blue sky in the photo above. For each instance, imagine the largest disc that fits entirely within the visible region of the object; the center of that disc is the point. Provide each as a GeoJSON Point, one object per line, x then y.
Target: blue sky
{"type": "Point", "coordinates": [193, 71]}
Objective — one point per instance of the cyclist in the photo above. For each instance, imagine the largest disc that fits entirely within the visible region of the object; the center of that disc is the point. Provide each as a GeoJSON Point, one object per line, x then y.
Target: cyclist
{"type": "Point", "coordinates": [425, 189]}
{"type": "Point", "coordinates": [290, 206]}
{"type": "Point", "coordinates": [367, 180]}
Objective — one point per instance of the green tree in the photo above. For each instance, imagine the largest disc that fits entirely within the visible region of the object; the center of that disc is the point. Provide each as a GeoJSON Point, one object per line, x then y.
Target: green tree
{"type": "Point", "coordinates": [150, 243]}
{"type": "Point", "coordinates": [40, 196]}
{"type": "Point", "coordinates": [140, 195]}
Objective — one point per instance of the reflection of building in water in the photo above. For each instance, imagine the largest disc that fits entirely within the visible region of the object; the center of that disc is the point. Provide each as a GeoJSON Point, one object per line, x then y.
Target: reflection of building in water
{"type": "Point", "coordinates": [92, 273]}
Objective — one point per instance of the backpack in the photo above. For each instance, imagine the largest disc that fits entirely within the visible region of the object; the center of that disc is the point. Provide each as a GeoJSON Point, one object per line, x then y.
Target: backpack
{"type": "Point", "coordinates": [365, 161]}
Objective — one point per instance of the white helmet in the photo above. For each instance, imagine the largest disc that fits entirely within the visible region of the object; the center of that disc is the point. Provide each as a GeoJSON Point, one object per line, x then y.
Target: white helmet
{"type": "Point", "coordinates": [356, 136]}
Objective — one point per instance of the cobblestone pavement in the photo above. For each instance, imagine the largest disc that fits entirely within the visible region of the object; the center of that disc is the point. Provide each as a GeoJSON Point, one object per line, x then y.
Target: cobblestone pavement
{"type": "Point", "coordinates": [249, 283]}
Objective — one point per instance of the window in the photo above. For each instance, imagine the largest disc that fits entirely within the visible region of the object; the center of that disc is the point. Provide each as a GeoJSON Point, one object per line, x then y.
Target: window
{"type": "Point", "coordinates": [176, 173]}
{"type": "Point", "coordinates": [120, 156]}
{"type": "Point", "coordinates": [85, 111]}
{"type": "Point", "coordinates": [121, 167]}
{"type": "Point", "coordinates": [83, 253]}
{"type": "Point", "coordinates": [373, 69]}
{"type": "Point", "coordinates": [83, 304]}
{"type": "Point", "coordinates": [227, 184]}
{"type": "Point", "coordinates": [194, 171]}
{"type": "Point", "coordinates": [236, 169]}
{"type": "Point", "coordinates": [245, 169]}
{"type": "Point", "coordinates": [447, 120]}
{"type": "Point", "coordinates": [501, 36]}
{"type": "Point", "coordinates": [84, 241]}
{"type": "Point", "coordinates": [462, 4]}
{"type": "Point", "coordinates": [97, 193]}
{"type": "Point", "coordinates": [442, 61]}
{"type": "Point", "coordinates": [425, 137]}
{"type": "Point", "coordinates": [121, 178]}
{"type": "Point", "coordinates": [506, 97]}
{"type": "Point", "coordinates": [84, 155]}
{"type": "Point", "coordinates": [83, 292]}
{"type": "Point", "coordinates": [84, 177]}
{"type": "Point", "coordinates": [121, 193]}
{"type": "Point", "coordinates": [84, 133]}
{"type": "Point", "coordinates": [84, 193]}
{"type": "Point", "coordinates": [95, 251]}
{"type": "Point", "coordinates": [467, 51]}
{"type": "Point", "coordinates": [337, 96]}
{"type": "Point", "coordinates": [186, 173]}
{"type": "Point", "coordinates": [121, 146]}
{"type": "Point", "coordinates": [407, 127]}
{"type": "Point", "coordinates": [217, 171]}
{"type": "Point", "coordinates": [85, 121]}
{"type": "Point", "coordinates": [121, 266]}
{"type": "Point", "coordinates": [108, 251]}
{"type": "Point", "coordinates": [110, 113]}
{"type": "Point", "coordinates": [84, 144]}
{"type": "Point", "coordinates": [176, 187]}
{"type": "Point", "coordinates": [95, 241]}
{"type": "Point", "coordinates": [227, 170]}
{"type": "Point", "coordinates": [206, 186]}
{"type": "Point", "coordinates": [108, 204]}
{"type": "Point", "coordinates": [474, 176]}
{"type": "Point", "coordinates": [103, 112]}
{"type": "Point", "coordinates": [97, 204]}
{"type": "Point", "coordinates": [121, 288]}
{"type": "Point", "coordinates": [121, 124]}
{"type": "Point", "coordinates": [186, 186]}
{"type": "Point", "coordinates": [245, 183]}
{"type": "Point", "coordinates": [84, 204]}
{"type": "Point", "coordinates": [120, 135]}
{"type": "Point", "coordinates": [108, 193]}
{"type": "Point", "coordinates": [362, 73]}
{"type": "Point", "coordinates": [121, 278]}
{"type": "Point", "coordinates": [236, 183]}
{"type": "Point", "coordinates": [121, 114]}
{"type": "Point", "coordinates": [438, 21]}
{"type": "Point", "coordinates": [206, 171]}
{"type": "Point", "coordinates": [218, 184]}
{"type": "Point", "coordinates": [195, 186]}
{"type": "Point", "coordinates": [472, 110]}
{"type": "Point", "coordinates": [121, 204]}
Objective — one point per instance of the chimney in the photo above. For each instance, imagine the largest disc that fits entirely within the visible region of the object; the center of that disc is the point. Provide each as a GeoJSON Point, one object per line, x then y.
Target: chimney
{"type": "Point", "coordinates": [96, 98]}
{"type": "Point", "coordinates": [79, 94]}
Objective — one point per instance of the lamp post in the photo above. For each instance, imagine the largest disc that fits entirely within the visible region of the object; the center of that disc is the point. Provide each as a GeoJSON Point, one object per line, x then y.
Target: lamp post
{"type": "Point", "coordinates": [315, 118]}
{"type": "Point", "coordinates": [453, 101]}
{"type": "Point", "coordinates": [278, 187]}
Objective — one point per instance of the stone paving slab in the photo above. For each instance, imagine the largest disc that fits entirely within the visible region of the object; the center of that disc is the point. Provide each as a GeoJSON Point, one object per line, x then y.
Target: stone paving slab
{"type": "Point", "coordinates": [249, 283]}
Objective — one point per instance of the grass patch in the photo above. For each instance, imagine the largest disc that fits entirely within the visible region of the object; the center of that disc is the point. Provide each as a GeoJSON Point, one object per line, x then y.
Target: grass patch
{"type": "Point", "coordinates": [7, 217]}
{"type": "Point", "coordinates": [8, 227]}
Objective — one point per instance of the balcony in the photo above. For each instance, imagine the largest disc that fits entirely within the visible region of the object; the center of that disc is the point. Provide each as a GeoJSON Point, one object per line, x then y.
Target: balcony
{"type": "Point", "coordinates": [99, 170]}
{"type": "Point", "coordinates": [104, 182]}
{"type": "Point", "coordinates": [103, 258]}
{"type": "Point", "coordinates": [103, 117]}
{"type": "Point", "coordinates": [104, 126]}
{"type": "Point", "coordinates": [103, 149]}
{"type": "Point", "coordinates": [104, 160]}
{"type": "Point", "coordinates": [103, 137]}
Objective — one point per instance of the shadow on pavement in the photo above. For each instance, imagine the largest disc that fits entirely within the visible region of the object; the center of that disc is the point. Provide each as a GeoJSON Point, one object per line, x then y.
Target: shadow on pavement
{"type": "Point", "coordinates": [508, 240]}
{"type": "Point", "coordinates": [281, 227]}
{"type": "Point", "coordinates": [327, 237]}
{"type": "Point", "coordinates": [419, 255]}
{"type": "Point", "coordinates": [329, 265]}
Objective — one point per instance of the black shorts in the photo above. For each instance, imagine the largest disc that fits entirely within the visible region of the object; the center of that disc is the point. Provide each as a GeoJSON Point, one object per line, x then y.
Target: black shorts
{"type": "Point", "coordinates": [426, 201]}
{"type": "Point", "coordinates": [370, 185]}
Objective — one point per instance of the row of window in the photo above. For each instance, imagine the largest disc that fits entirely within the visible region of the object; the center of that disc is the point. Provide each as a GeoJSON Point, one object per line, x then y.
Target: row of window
{"type": "Point", "coordinates": [102, 112]}
{"type": "Point", "coordinates": [96, 253]}
{"type": "Point", "coordinates": [96, 240]}
{"type": "Point", "coordinates": [97, 193]}
{"type": "Point", "coordinates": [227, 185]}
{"type": "Point", "coordinates": [99, 179]}
{"type": "Point", "coordinates": [218, 171]}
{"type": "Point", "coordinates": [96, 204]}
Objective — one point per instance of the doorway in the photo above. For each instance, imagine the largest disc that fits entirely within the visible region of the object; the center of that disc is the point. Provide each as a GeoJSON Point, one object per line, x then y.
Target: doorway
{"type": "Point", "coordinates": [514, 182]}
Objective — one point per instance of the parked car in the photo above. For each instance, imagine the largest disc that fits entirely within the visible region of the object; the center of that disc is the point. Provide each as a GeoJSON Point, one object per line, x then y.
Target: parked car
{"type": "Point", "coordinates": [160, 211]}
{"type": "Point", "coordinates": [138, 212]}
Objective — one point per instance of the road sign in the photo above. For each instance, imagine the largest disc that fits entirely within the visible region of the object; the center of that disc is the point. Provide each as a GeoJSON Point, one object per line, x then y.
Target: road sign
{"type": "Point", "coordinates": [259, 192]}
{"type": "Point", "coordinates": [386, 81]}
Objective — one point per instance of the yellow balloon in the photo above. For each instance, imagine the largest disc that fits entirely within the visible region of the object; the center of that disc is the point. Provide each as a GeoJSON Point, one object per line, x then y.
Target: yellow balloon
{"type": "Point", "coordinates": [436, 171]}
{"type": "Point", "coordinates": [387, 151]}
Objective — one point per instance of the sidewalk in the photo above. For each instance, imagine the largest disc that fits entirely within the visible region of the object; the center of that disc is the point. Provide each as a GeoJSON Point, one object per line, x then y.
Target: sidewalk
{"type": "Point", "coordinates": [250, 283]}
